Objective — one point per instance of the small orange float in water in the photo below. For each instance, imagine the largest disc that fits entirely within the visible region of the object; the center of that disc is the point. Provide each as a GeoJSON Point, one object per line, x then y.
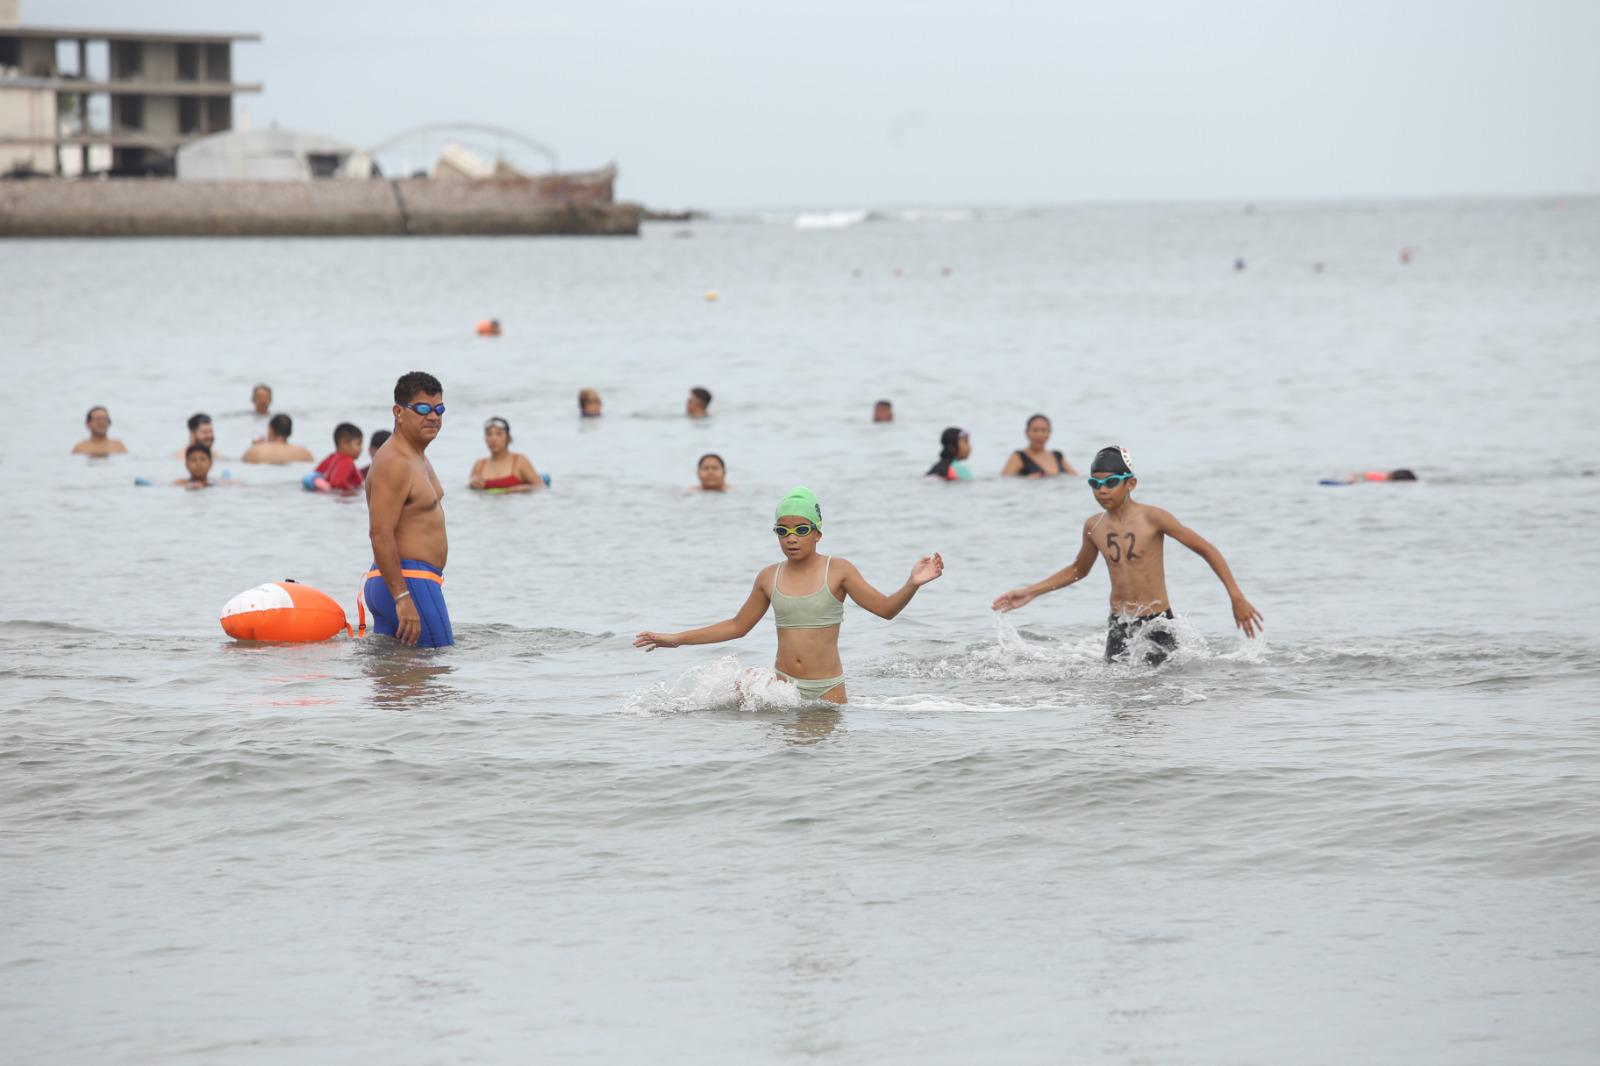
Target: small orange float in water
{"type": "Point", "coordinates": [283, 611]}
{"type": "Point", "coordinates": [489, 327]}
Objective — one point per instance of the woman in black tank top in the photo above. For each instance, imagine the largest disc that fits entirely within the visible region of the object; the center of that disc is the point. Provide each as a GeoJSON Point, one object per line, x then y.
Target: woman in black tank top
{"type": "Point", "coordinates": [1035, 460]}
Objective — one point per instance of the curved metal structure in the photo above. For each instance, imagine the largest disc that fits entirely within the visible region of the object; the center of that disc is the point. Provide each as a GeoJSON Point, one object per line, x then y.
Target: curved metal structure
{"type": "Point", "coordinates": [473, 127]}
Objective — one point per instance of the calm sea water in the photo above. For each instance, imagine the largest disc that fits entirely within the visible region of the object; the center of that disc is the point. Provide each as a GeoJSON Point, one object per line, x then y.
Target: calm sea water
{"type": "Point", "coordinates": [1373, 836]}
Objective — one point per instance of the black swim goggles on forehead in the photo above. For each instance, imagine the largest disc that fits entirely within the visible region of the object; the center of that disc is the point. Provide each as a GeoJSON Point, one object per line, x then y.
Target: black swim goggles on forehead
{"type": "Point", "coordinates": [425, 409]}
{"type": "Point", "coordinates": [802, 530]}
{"type": "Point", "coordinates": [1108, 482]}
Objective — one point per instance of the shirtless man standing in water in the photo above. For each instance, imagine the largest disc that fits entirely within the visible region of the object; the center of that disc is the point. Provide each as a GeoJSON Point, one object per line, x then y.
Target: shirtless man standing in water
{"type": "Point", "coordinates": [1131, 535]}
{"type": "Point", "coordinates": [404, 588]}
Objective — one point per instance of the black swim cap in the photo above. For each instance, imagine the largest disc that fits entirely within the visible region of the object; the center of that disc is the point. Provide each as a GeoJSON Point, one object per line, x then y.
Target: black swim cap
{"type": "Point", "coordinates": [1112, 458]}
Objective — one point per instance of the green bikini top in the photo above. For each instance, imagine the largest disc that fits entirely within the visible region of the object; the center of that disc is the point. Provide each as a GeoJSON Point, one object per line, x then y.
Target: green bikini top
{"type": "Point", "coordinates": [819, 610]}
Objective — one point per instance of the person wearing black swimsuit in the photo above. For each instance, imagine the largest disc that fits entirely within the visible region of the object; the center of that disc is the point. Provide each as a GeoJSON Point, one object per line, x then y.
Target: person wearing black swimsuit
{"type": "Point", "coordinates": [1036, 460]}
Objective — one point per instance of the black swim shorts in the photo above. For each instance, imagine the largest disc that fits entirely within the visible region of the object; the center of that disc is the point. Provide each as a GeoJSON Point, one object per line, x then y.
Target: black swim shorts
{"type": "Point", "coordinates": [1122, 630]}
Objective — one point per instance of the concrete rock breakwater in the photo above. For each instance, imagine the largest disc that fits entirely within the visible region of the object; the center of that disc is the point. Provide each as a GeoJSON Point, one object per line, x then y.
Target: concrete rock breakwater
{"type": "Point", "coordinates": [329, 208]}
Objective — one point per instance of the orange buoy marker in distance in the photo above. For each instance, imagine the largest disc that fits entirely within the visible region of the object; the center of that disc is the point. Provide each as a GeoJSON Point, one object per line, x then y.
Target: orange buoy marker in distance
{"type": "Point", "coordinates": [489, 327]}
{"type": "Point", "coordinates": [283, 611]}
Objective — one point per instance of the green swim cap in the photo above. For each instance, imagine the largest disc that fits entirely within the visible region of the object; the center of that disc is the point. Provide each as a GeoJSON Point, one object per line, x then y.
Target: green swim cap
{"type": "Point", "coordinates": [803, 502]}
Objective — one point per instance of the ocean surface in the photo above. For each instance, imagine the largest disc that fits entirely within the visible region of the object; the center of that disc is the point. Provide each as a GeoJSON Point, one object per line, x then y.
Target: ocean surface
{"type": "Point", "coordinates": [1372, 836]}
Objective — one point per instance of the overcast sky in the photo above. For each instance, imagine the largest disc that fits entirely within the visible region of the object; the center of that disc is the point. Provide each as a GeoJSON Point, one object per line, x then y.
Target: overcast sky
{"type": "Point", "coordinates": [736, 103]}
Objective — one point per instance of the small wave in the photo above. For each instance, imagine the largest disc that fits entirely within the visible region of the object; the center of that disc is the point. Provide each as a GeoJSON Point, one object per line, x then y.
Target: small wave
{"type": "Point", "coordinates": [722, 685]}
{"type": "Point", "coordinates": [26, 627]}
{"type": "Point", "coordinates": [830, 219]}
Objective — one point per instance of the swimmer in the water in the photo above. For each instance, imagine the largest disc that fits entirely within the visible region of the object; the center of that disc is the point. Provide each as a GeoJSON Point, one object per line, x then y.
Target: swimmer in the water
{"type": "Point", "coordinates": [1037, 460]}
{"type": "Point", "coordinates": [201, 431]}
{"type": "Point", "coordinates": [807, 621]}
{"type": "Point", "coordinates": [588, 403]}
{"type": "Point", "coordinates": [1131, 535]}
{"type": "Point", "coordinates": [698, 405]}
{"type": "Point", "coordinates": [713, 473]}
{"type": "Point", "coordinates": [338, 471]}
{"type": "Point", "coordinates": [276, 448]}
{"type": "Point", "coordinates": [378, 437]}
{"type": "Point", "coordinates": [504, 470]}
{"type": "Point", "coordinates": [954, 446]}
{"type": "Point", "coordinates": [1381, 475]}
{"type": "Point", "coordinates": [261, 400]}
{"type": "Point", "coordinates": [197, 460]}
{"type": "Point", "coordinates": [97, 443]}
{"type": "Point", "coordinates": [883, 411]}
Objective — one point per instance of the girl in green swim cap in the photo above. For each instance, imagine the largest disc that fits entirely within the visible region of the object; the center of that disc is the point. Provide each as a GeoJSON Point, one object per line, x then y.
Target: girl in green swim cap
{"type": "Point", "coordinates": [807, 621]}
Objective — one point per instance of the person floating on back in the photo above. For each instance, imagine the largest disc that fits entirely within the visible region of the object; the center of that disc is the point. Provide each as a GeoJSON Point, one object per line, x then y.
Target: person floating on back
{"type": "Point", "coordinates": [97, 444]}
{"type": "Point", "coordinates": [404, 589]}
{"type": "Point", "coordinates": [276, 448]}
{"type": "Point", "coordinates": [954, 446]}
{"type": "Point", "coordinates": [808, 622]}
{"type": "Point", "coordinates": [698, 405]}
{"type": "Point", "coordinates": [338, 472]}
{"type": "Point", "coordinates": [1131, 536]}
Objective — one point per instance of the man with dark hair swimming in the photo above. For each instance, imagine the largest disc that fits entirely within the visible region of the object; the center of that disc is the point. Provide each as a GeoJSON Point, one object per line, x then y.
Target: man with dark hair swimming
{"type": "Point", "coordinates": [1130, 535]}
{"type": "Point", "coordinates": [405, 587]}
{"type": "Point", "coordinates": [276, 448]}
{"type": "Point", "coordinates": [698, 405]}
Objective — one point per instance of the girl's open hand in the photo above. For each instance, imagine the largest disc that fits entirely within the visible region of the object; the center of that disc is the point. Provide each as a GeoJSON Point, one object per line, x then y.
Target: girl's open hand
{"type": "Point", "coordinates": [652, 641]}
{"type": "Point", "coordinates": [928, 568]}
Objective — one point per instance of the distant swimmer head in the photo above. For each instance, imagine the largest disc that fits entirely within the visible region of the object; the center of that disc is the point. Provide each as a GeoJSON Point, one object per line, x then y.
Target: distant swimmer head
{"type": "Point", "coordinates": [98, 420]}
{"type": "Point", "coordinates": [280, 427]}
{"type": "Point", "coordinates": [201, 431]}
{"type": "Point", "coordinates": [261, 399]}
{"type": "Point", "coordinates": [378, 437]}
{"type": "Point", "coordinates": [197, 458]}
{"type": "Point", "coordinates": [497, 434]}
{"type": "Point", "coordinates": [347, 439]}
{"type": "Point", "coordinates": [588, 403]}
{"type": "Point", "coordinates": [712, 472]}
{"type": "Point", "coordinates": [1402, 474]}
{"type": "Point", "coordinates": [698, 404]}
{"type": "Point", "coordinates": [1112, 459]}
{"type": "Point", "coordinates": [883, 411]}
{"type": "Point", "coordinates": [1038, 430]}
{"type": "Point", "coordinates": [954, 443]}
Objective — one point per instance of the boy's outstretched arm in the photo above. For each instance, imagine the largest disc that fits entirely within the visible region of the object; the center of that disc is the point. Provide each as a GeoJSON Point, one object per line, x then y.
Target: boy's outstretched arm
{"type": "Point", "coordinates": [1076, 571]}
{"type": "Point", "coordinates": [1245, 616]}
{"type": "Point", "coordinates": [730, 629]}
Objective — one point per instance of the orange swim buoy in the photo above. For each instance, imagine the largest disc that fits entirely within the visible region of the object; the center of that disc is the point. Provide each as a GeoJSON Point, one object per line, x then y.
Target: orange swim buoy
{"type": "Point", "coordinates": [489, 327]}
{"type": "Point", "coordinates": [283, 611]}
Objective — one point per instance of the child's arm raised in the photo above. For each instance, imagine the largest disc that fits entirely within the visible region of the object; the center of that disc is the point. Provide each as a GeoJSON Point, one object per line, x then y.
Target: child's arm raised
{"type": "Point", "coordinates": [731, 629]}
{"type": "Point", "coordinates": [1076, 571]}
{"type": "Point", "coordinates": [1245, 616]}
{"type": "Point", "coordinates": [928, 568]}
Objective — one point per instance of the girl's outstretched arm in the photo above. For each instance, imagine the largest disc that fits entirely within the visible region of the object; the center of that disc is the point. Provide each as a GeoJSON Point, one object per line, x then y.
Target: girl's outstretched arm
{"type": "Point", "coordinates": [731, 629]}
{"type": "Point", "coordinates": [928, 568]}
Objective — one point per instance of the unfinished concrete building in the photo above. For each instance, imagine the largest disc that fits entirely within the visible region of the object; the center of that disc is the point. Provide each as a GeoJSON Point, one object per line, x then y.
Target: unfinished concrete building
{"type": "Point", "coordinates": [80, 101]}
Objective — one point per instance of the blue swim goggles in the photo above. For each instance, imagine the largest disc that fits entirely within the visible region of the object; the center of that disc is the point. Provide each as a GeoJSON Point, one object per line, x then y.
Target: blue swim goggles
{"type": "Point", "coordinates": [426, 409]}
{"type": "Point", "coordinates": [1108, 482]}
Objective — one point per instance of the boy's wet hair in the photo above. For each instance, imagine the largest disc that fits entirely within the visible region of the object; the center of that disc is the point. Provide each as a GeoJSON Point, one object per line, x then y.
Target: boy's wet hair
{"type": "Point", "coordinates": [417, 383]}
{"type": "Point", "coordinates": [701, 394]}
{"type": "Point", "coordinates": [1403, 474]}
{"type": "Point", "coordinates": [345, 431]}
{"type": "Point", "coordinates": [198, 420]}
{"type": "Point", "coordinates": [282, 425]}
{"type": "Point", "coordinates": [884, 403]}
{"type": "Point", "coordinates": [378, 438]}
{"type": "Point", "coordinates": [191, 449]}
